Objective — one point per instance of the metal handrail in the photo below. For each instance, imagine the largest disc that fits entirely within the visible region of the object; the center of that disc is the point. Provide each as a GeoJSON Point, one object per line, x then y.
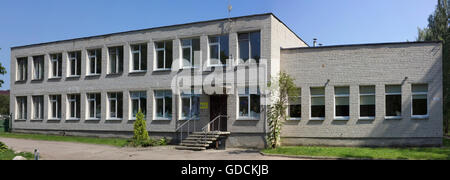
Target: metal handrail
{"type": "Point", "coordinates": [188, 122]}
{"type": "Point", "coordinates": [207, 129]}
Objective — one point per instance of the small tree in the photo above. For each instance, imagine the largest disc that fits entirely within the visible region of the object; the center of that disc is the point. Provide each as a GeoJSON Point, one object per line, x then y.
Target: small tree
{"type": "Point", "coordinates": [140, 129]}
{"type": "Point", "coordinates": [2, 72]}
{"type": "Point", "coordinates": [281, 88]}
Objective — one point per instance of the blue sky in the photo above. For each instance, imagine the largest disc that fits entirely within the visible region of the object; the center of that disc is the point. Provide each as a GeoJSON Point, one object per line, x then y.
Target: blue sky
{"type": "Point", "coordinates": [332, 22]}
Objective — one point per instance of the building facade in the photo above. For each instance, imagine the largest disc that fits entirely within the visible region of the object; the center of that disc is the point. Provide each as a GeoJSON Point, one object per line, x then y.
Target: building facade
{"type": "Point", "coordinates": [379, 94]}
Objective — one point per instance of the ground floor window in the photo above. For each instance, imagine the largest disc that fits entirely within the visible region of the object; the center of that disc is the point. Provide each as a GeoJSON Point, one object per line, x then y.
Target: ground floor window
{"type": "Point", "coordinates": [138, 102]}
{"type": "Point", "coordinates": [367, 101]}
{"type": "Point", "coordinates": [38, 107]}
{"type": "Point", "coordinates": [342, 102]}
{"type": "Point", "coordinates": [21, 108]}
{"type": "Point", "coordinates": [74, 106]}
{"type": "Point", "coordinates": [419, 100]}
{"type": "Point", "coordinates": [295, 105]}
{"type": "Point", "coordinates": [163, 104]}
{"type": "Point", "coordinates": [55, 106]}
{"type": "Point", "coordinates": [115, 105]}
{"type": "Point", "coordinates": [249, 104]}
{"type": "Point", "coordinates": [393, 101]}
{"type": "Point", "coordinates": [318, 102]}
{"type": "Point", "coordinates": [94, 105]}
{"type": "Point", "coordinates": [190, 105]}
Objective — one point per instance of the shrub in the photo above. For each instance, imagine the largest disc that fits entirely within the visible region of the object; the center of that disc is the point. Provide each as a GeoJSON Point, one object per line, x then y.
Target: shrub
{"type": "Point", "coordinates": [3, 147]}
{"type": "Point", "coordinates": [140, 128]}
{"type": "Point", "coordinates": [162, 141]}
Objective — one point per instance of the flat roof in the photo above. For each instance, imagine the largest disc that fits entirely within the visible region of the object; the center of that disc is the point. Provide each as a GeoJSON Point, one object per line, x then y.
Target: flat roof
{"type": "Point", "coordinates": [160, 27]}
{"type": "Point", "coordinates": [366, 44]}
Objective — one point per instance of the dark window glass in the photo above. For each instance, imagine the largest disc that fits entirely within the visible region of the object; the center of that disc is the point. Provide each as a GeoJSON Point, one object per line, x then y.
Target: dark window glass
{"type": "Point", "coordinates": [255, 43]}
{"type": "Point", "coordinates": [169, 57]}
{"type": "Point", "coordinates": [393, 105]}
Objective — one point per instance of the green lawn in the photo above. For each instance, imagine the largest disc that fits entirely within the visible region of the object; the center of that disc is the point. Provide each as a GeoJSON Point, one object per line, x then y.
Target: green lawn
{"type": "Point", "coordinates": [442, 153]}
{"type": "Point", "coordinates": [9, 155]}
{"type": "Point", "coordinates": [90, 140]}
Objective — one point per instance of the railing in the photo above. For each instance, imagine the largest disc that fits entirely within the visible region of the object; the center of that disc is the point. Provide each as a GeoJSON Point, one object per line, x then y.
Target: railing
{"type": "Point", "coordinates": [211, 126]}
{"type": "Point", "coordinates": [188, 131]}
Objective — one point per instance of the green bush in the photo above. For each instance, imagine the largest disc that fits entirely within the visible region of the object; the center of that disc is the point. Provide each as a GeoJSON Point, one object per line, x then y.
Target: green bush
{"type": "Point", "coordinates": [140, 128]}
{"type": "Point", "coordinates": [162, 142]}
{"type": "Point", "coordinates": [3, 147]}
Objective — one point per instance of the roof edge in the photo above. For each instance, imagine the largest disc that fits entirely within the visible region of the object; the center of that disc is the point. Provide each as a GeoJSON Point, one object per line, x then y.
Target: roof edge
{"type": "Point", "coordinates": [289, 29]}
{"type": "Point", "coordinates": [141, 30]}
{"type": "Point", "coordinates": [365, 44]}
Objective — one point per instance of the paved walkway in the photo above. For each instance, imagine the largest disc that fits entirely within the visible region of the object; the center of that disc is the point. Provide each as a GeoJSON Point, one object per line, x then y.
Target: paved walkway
{"type": "Point", "coordinates": [51, 150]}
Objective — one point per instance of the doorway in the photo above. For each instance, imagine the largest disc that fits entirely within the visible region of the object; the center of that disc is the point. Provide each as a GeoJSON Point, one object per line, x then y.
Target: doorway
{"type": "Point", "coordinates": [218, 105]}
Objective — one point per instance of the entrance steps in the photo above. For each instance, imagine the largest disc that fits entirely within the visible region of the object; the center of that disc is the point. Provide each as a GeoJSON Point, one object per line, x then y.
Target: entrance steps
{"type": "Point", "coordinates": [198, 141]}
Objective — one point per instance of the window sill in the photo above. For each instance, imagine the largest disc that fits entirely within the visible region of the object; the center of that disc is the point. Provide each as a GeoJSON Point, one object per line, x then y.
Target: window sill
{"type": "Point", "coordinates": [36, 80]}
{"type": "Point", "coordinates": [248, 119]}
{"type": "Point", "coordinates": [185, 119]}
{"type": "Point", "coordinates": [37, 120]}
{"type": "Point", "coordinates": [74, 76]}
{"type": "Point", "coordinates": [162, 119]}
{"type": "Point", "coordinates": [20, 120]}
{"type": "Point", "coordinates": [393, 117]}
{"type": "Point", "coordinates": [115, 119]}
{"type": "Point", "coordinates": [93, 75]}
{"type": "Point", "coordinates": [294, 119]}
{"type": "Point", "coordinates": [317, 119]}
{"type": "Point", "coordinates": [73, 119]}
{"type": "Point", "coordinates": [137, 71]}
{"type": "Point", "coordinates": [161, 70]}
{"type": "Point", "coordinates": [367, 118]}
{"type": "Point", "coordinates": [54, 78]}
{"type": "Point", "coordinates": [54, 119]}
{"type": "Point", "coordinates": [342, 118]}
{"type": "Point", "coordinates": [93, 119]}
{"type": "Point", "coordinates": [216, 65]}
{"type": "Point", "coordinates": [420, 117]}
{"type": "Point", "coordinates": [21, 81]}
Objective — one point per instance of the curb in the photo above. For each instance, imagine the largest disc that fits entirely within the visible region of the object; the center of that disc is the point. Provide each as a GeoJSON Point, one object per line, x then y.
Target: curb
{"type": "Point", "coordinates": [315, 157]}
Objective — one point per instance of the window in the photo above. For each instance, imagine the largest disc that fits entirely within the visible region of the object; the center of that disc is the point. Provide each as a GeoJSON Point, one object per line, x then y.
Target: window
{"type": "Point", "coordinates": [75, 63]}
{"type": "Point", "coordinates": [367, 102]}
{"type": "Point", "coordinates": [95, 62]}
{"type": "Point", "coordinates": [419, 100]}
{"type": "Point", "coordinates": [94, 106]}
{"type": "Point", "coordinates": [21, 108]}
{"type": "Point", "coordinates": [38, 67]}
{"type": "Point", "coordinates": [318, 103]}
{"type": "Point", "coordinates": [22, 66]}
{"type": "Point", "coordinates": [55, 106]}
{"type": "Point", "coordinates": [393, 101]}
{"type": "Point", "coordinates": [295, 105]}
{"type": "Point", "coordinates": [115, 105]}
{"type": "Point", "coordinates": [139, 57]}
{"type": "Point", "coordinates": [56, 65]}
{"type": "Point", "coordinates": [218, 50]}
{"type": "Point", "coordinates": [190, 105]}
{"type": "Point", "coordinates": [163, 104]}
{"type": "Point", "coordinates": [115, 60]}
{"type": "Point", "coordinates": [249, 104]}
{"type": "Point", "coordinates": [38, 107]}
{"type": "Point", "coordinates": [138, 102]}
{"type": "Point", "coordinates": [164, 55]}
{"type": "Point", "coordinates": [249, 46]}
{"type": "Point", "coordinates": [74, 106]}
{"type": "Point", "coordinates": [190, 52]}
{"type": "Point", "coordinates": [342, 102]}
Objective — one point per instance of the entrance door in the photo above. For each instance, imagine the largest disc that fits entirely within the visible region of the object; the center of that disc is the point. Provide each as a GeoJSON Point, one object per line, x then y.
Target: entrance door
{"type": "Point", "coordinates": [218, 105]}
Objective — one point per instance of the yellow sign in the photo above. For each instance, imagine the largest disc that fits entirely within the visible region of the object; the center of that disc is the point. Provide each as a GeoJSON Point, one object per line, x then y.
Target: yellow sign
{"type": "Point", "coordinates": [203, 105]}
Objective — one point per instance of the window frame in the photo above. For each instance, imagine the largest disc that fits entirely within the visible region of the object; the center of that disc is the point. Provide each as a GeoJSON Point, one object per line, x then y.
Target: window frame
{"type": "Point", "coordinates": [39, 68]}
{"type": "Point", "coordinates": [57, 100]}
{"type": "Point", "coordinates": [22, 69]}
{"type": "Point", "coordinates": [39, 110]}
{"type": "Point", "coordinates": [89, 99]}
{"type": "Point", "coordinates": [342, 118]}
{"type": "Point", "coordinates": [116, 99]}
{"type": "Point", "coordinates": [165, 55]}
{"type": "Point", "coordinates": [117, 52]}
{"type": "Point", "coordinates": [77, 63]}
{"type": "Point", "coordinates": [55, 58]}
{"type": "Point", "coordinates": [72, 98]}
{"type": "Point", "coordinates": [219, 47]}
{"type": "Point", "coordinates": [190, 96]}
{"type": "Point", "coordinates": [299, 97]}
{"type": "Point", "coordinates": [95, 56]}
{"type": "Point", "coordinates": [375, 103]}
{"type": "Point", "coordinates": [166, 93]}
{"type": "Point", "coordinates": [132, 117]}
{"type": "Point", "coordinates": [412, 103]}
{"type": "Point", "coordinates": [191, 52]}
{"type": "Point", "coordinates": [249, 47]}
{"type": "Point", "coordinates": [140, 51]}
{"type": "Point", "coordinates": [248, 95]}
{"type": "Point", "coordinates": [21, 110]}
{"type": "Point", "coordinates": [310, 104]}
{"type": "Point", "coordinates": [385, 101]}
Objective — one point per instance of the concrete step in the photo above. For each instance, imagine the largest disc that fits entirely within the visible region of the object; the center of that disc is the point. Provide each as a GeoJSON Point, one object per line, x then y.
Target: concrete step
{"type": "Point", "coordinates": [200, 139]}
{"type": "Point", "coordinates": [194, 145]}
{"type": "Point", "coordinates": [195, 141]}
{"type": "Point", "coordinates": [190, 148]}
{"type": "Point", "coordinates": [203, 135]}
{"type": "Point", "coordinates": [213, 133]}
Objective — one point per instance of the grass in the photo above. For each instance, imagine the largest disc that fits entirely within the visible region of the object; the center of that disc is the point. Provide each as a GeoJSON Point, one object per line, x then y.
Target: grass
{"type": "Point", "coordinates": [89, 140]}
{"type": "Point", "coordinates": [431, 153]}
{"type": "Point", "coordinates": [9, 155]}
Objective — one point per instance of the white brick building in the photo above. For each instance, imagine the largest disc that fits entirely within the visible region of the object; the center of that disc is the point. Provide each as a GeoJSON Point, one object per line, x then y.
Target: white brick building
{"type": "Point", "coordinates": [94, 86]}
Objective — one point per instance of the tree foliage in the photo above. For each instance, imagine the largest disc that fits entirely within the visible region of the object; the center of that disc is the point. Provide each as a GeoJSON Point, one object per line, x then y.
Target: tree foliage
{"type": "Point", "coordinates": [438, 30]}
{"type": "Point", "coordinates": [2, 72]}
{"type": "Point", "coordinates": [140, 128]}
{"type": "Point", "coordinates": [281, 88]}
{"type": "Point", "coordinates": [4, 104]}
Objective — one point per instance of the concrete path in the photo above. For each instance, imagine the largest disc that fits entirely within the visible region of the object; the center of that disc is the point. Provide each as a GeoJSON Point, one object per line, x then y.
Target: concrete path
{"type": "Point", "coordinates": [51, 150]}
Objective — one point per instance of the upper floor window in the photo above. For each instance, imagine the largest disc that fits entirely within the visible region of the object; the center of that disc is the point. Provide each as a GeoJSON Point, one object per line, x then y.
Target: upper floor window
{"type": "Point", "coordinates": [249, 103]}
{"type": "Point", "coordinates": [295, 105]}
{"type": "Point", "coordinates": [55, 106]}
{"type": "Point", "coordinates": [74, 106]}
{"type": "Point", "coordinates": [249, 46]}
{"type": "Point", "coordinates": [163, 104]}
{"type": "Point", "coordinates": [190, 105]}
{"type": "Point", "coordinates": [38, 107]}
{"type": "Point", "coordinates": [138, 102]}
{"type": "Point", "coordinates": [38, 67]}
{"type": "Point", "coordinates": [218, 50]}
{"type": "Point", "coordinates": [393, 101]}
{"type": "Point", "coordinates": [318, 103]}
{"type": "Point", "coordinates": [342, 102]}
{"type": "Point", "coordinates": [22, 68]}
{"type": "Point", "coordinates": [115, 60]}
{"type": "Point", "coordinates": [95, 61]}
{"type": "Point", "coordinates": [419, 100]}
{"type": "Point", "coordinates": [115, 110]}
{"type": "Point", "coordinates": [21, 108]}
{"type": "Point", "coordinates": [164, 56]}
{"type": "Point", "coordinates": [56, 65]}
{"type": "Point", "coordinates": [139, 57]}
{"type": "Point", "coordinates": [367, 102]}
{"type": "Point", "coordinates": [94, 105]}
{"type": "Point", "coordinates": [75, 63]}
{"type": "Point", "coordinates": [190, 52]}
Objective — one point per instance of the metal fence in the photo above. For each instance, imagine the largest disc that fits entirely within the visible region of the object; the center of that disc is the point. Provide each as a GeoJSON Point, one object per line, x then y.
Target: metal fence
{"type": "Point", "coordinates": [5, 125]}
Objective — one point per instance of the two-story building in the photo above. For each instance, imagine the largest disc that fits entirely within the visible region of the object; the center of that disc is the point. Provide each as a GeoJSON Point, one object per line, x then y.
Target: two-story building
{"type": "Point", "coordinates": [192, 74]}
